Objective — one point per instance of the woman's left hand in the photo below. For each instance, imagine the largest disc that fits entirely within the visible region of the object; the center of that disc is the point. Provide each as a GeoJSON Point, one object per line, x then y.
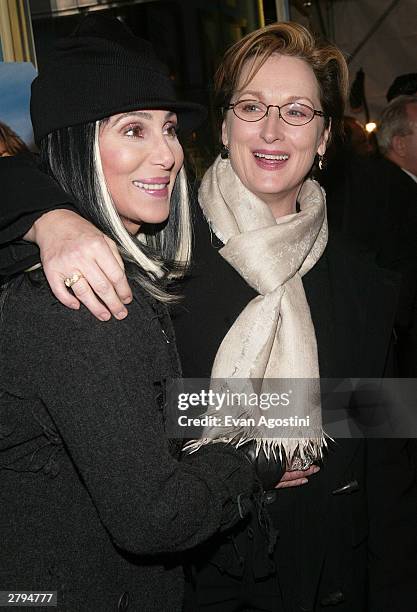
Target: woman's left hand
{"type": "Point", "coordinates": [295, 478]}
{"type": "Point", "coordinates": [70, 244]}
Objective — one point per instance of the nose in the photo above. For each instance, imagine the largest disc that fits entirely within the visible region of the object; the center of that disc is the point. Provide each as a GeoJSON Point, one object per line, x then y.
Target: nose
{"type": "Point", "coordinates": [162, 153]}
{"type": "Point", "coordinates": [272, 126]}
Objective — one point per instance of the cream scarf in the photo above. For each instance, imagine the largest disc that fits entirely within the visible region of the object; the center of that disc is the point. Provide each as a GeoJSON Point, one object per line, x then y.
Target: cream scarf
{"type": "Point", "coordinates": [273, 337]}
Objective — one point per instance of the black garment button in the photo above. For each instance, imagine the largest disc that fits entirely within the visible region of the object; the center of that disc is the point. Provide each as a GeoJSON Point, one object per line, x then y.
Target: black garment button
{"type": "Point", "coordinates": [123, 602]}
{"type": "Point", "coordinates": [332, 599]}
{"type": "Point", "coordinates": [270, 497]}
{"type": "Point", "coordinates": [349, 487]}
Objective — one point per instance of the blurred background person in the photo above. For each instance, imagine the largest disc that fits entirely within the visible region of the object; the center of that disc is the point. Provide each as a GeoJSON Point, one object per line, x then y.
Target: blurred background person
{"type": "Point", "coordinates": [355, 137]}
{"type": "Point", "coordinates": [372, 199]}
{"type": "Point", "coordinates": [10, 142]}
{"type": "Point", "coordinates": [397, 134]}
{"type": "Point", "coordinates": [397, 138]}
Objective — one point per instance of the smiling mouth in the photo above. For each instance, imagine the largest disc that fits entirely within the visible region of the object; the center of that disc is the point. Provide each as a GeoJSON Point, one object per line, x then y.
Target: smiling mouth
{"type": "Point", "coordinates": [270, 156]}
{"type": "Point", "coordinates": [155, 187]}
{"type": "Point", "coordinates": [151, 186]}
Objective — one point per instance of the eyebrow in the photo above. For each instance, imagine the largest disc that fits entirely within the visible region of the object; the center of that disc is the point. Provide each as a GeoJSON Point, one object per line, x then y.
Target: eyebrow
{"type": "Point", "coordinates": [258, 95]}
{"type": "Point", "coordinates": [141, 115]}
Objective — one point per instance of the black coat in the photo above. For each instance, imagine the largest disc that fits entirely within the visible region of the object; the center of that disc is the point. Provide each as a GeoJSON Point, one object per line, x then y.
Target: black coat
{"type": "Point", "coordinates": [325, 538]}
{"type": "Point", "coordinates": [93, 500]}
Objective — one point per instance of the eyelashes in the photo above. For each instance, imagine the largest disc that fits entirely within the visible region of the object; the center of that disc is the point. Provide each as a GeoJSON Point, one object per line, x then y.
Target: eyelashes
{"type": "Point", "coordinates": [136, 130]}
{"type": "Point", "coordinates": [172, 130]}
{"type": "Point", "coordinates": [133, 130]}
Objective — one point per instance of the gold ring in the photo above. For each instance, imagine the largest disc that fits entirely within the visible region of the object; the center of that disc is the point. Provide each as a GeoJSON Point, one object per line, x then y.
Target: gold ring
{"type": "Point", "coordinates": [71, 280]}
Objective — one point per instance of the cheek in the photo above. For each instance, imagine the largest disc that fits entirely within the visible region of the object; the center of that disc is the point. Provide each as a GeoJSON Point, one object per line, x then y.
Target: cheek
{"type": "Point", "coordinates": [241, 138]}
{"type": "Point", "coordinates": [240, 133]}
{"type": "Point", "coordinates": [412, 146]}
{"type": "Point", "coordinates": [118, 164]}
{"type": "Point", "coordinates": [306, 142]}
{"type": "Point", "coordinates": [117, 161]}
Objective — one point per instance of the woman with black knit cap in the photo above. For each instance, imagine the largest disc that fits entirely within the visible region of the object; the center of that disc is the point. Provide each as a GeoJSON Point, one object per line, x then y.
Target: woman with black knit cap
{"type": "Point", "coordinates": [94, 502]}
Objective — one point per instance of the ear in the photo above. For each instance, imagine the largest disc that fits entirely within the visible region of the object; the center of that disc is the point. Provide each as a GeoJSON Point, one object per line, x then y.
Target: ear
{"type": "Point", "coordinates": [225, 139]}
{"type": "Point", "coordinates": [324, 139]}
{"type": "Point", "coordinates": [398, 145]}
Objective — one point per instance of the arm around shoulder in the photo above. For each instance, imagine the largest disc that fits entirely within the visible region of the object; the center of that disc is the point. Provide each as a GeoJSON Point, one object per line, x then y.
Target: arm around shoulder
{"type": "Point", "coordinates": [27, 193]}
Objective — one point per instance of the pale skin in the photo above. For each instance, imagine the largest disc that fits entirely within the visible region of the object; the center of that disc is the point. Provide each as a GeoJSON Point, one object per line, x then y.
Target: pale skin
{"type": "Point", "coordinates": [403, 150]}
{"type": "Point", "coordinates": [279, 81]}
{"type": "Point", "coordinates": [75, 244]}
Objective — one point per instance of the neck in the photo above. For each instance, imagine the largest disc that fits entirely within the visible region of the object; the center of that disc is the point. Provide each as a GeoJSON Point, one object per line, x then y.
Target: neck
{"type": "Point", "coordinates": [398, 160]}
{"type": "Point", "coordinates": [285, 204]}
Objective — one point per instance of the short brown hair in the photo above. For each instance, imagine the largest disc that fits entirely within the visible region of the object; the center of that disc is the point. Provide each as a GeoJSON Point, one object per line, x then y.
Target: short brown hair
{"type": "Point", "coordinates": [293, 39]}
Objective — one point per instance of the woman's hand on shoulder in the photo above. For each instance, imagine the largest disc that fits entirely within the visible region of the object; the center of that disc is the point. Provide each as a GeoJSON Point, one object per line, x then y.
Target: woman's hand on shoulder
{"type": "Point", "coordinates": [70, 245]}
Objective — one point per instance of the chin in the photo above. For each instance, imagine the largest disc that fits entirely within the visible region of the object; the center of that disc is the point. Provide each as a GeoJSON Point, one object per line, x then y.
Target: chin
{"type": "Point", "coordinates": [155, 219]}
{"type": "Point", "coordinates": [267, 190]}
{"type": "Point", "coordinates": [148, 215]}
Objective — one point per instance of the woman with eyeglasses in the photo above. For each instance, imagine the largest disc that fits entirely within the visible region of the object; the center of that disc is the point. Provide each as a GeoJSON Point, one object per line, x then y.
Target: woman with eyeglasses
{"type": "Point", "coordinates": [269, 297]}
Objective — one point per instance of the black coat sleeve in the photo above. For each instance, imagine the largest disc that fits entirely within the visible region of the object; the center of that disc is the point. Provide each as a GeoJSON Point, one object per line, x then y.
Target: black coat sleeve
{"type": "Point", "coordinates": [96, 382]}
{"type": "Point", "coordinates": [26, 194]}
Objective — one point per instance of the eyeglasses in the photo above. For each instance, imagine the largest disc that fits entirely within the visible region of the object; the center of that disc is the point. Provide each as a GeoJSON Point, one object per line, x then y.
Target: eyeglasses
{"type": "Point", "coordinates": [293, 113]}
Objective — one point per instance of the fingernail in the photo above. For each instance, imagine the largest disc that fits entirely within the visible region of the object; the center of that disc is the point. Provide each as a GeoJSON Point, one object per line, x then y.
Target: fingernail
{"type": "Point", "coordinates": [121, 315]}
{"type": "Point", "coordinates": [75, 306]}
{"type": "Point", "coordinates": [316, 469]}
{"type": "Point", "coordinates": [304, 481]}
{"type": "Point", "coordinates": [105, 316]}
{"type": "Point", "coordinates": [127, 300]}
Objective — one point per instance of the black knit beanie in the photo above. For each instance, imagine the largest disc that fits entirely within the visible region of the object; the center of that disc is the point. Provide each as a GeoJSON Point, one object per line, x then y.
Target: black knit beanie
{"type": "Point", "coordinates": [102, 69]}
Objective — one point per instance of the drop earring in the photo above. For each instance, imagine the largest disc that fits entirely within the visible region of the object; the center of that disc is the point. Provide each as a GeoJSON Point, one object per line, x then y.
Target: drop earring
{"type": "Point", "coordinates": [224, 153]}
{"type": "Point", "coordinates": [321, 162]}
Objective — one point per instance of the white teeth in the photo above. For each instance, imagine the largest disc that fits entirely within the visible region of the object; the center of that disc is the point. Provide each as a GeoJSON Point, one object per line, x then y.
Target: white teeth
{"type": "Point", "coordinates": [274, 157]}
{"type": "Point", "coordinates": [150, 186]}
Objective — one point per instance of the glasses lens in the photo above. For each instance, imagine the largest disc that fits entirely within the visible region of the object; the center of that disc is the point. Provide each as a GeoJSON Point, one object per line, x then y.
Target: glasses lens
{"type": "Point", "coordinates": [296, 114]}
{"type": "Point", "coordinates": [250, 110]}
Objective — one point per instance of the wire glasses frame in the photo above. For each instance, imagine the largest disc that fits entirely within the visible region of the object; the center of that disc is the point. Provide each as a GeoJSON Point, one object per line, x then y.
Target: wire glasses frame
{"type": "Point", "coordinates": [292, 113]}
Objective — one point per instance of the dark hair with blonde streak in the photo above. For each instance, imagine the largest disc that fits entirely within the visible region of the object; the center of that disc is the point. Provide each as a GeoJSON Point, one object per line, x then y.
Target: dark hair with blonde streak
{"type": "Point", "coordinates": [292, 39]}
{"type": "Point", "coordinates": [11, 140]}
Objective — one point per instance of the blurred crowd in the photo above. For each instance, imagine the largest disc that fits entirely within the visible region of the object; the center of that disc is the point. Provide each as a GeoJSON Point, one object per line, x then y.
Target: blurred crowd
{"type": "Point", "coordinates": [371, 185]}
